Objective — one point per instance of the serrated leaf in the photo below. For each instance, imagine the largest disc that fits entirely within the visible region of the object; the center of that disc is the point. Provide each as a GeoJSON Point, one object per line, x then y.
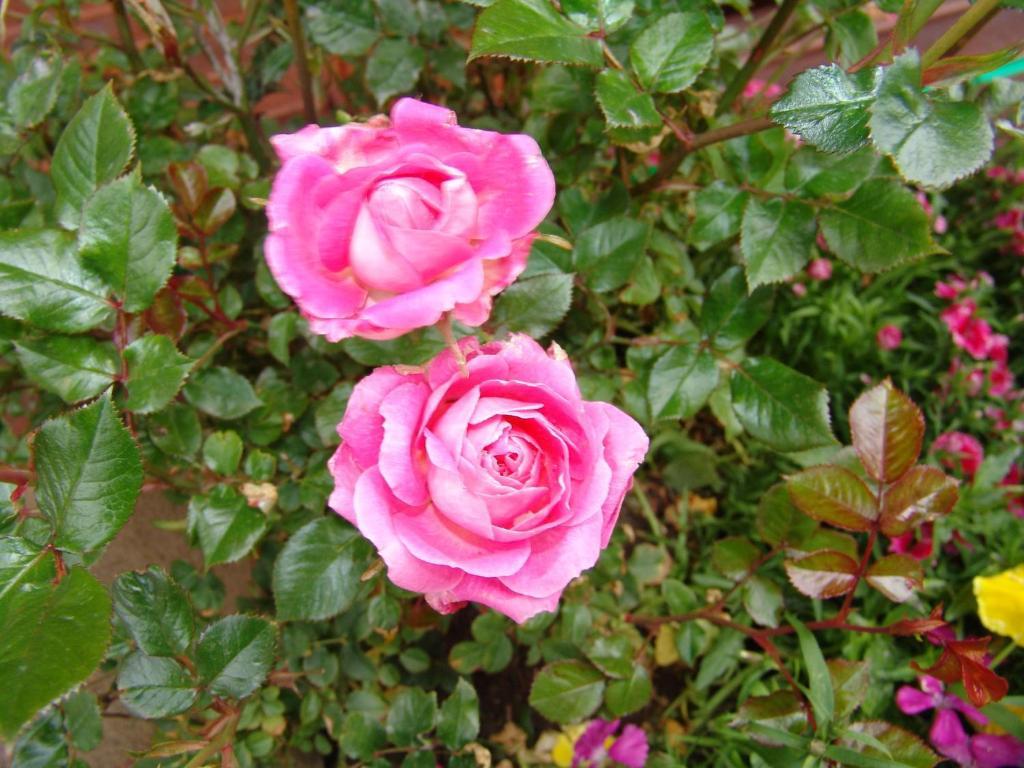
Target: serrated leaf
{"type": "Point", "coordinates": [176, 430]}
{"type": "Point", "coordinates": [598, 15]}
{"type": "Point", "coordinates": [887, 431]}
{"type": "Point", "coordinates": [896, 576]}
{"type": "Point", "coordinates": [156, 372]}
{"type": "Point", "coordinates": [823, 574]}
{"type": "Point", "coordinates": [622, 104]}
{"type": "Point", "coordinates": [459, 722]}
{"type": "Point", "coordinates": [881, 226]}
{"type": "Point", "coordinates": [932, 142]}
{"type": "Point", "coordinates": [222, 393]}
{"type": "Point", "coordinates": [681, 381]}
{"type": "Point", "coordinates": [73, 367]}
{"type": "Point", "coordinates": [779, 406]}
{"type": "Point", "coordinates": [763, 600]}
{"type": "Point", "coordinates": [624, 697]}
{"type": "Point", "coordinates": [533, 305]}
{"type": "Point", "coordinates": [393, 68]}
{"type": "Point", "coordinates": [730, 316]}
{"type": "Point", "coordinates": [153, 687]}
{"type": "Point", "coordinates": [781, 710]}
{"type": "Point", "coordinates": [225, 526]}
{"type": "Point", "coordinates": [533, 29]}
{"type": "Point", "coordinates": [669, 54]}
{"type": "Point", "coordinates": [853, 34]}
{"type": "Point", "coordinates": [155, 610]}
{"type": "Point", "coordinates": [567, 691]}
{"type": "Point", "coordinates": [82, 720]}
{"type": "Point", "coordinates": [94, 149]}
{"type": "Point", "coordinates": [850, 682]}
{"type": "Point", "coordinates": [413, 711]}
{"type": "Point", "coordinates": [347, 28]}
{"type": "Point", "coordinates": [612, 654]}
{"type": "Point", "coordinates": [828, 108]}
{"type": "Point", "coordinates": [34, 91]}
{"type": "Point", "coordinates": [833, 495]}
{"type": "Point", "coordinates": [777, 517]}
{"type": "Point", "coordinates": [733, 556]}
{"type": "Point", "coordinates": [812, 173]}
{"type": "Point", "coordinates": [921, 495]}
{"type": "Point", "coordinates": [904, 747]}
{"type": "Point", "coordinates": [43, 283]}
{"type": "Point", "coordinates": [719, 211]}
{"type": "Point", "coordinates": [88, 475]}
{"type": "Point", "coordinates": [53, 638]}
{"type": "Point", "coordinates": [607, 253]}
{"type": "Point", "coordinates": [282, 329]}
{"type": "Point", "coordinates": [129, 239]}
{"type": "Point", "coordinates": [317, 574]}
{"type": "Point", "coordinates": [235, 654]}
{"type": "Point", "coordinates": [776, 238]}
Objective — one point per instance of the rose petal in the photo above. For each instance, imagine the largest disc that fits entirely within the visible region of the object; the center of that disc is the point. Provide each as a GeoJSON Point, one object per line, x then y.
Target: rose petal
{"type": "Point", "coordinates": [362, 427]}
{"type": "Point", "coordinates": [494, 594]}
{"type": "Point", "coordinates": [401, 410]}
{"type": "Point", "coordinates": [424, 306]}
{"type": "Point", "coordinates": [625, 446]}
{"type": "Point", "coordinates": [557, 557]}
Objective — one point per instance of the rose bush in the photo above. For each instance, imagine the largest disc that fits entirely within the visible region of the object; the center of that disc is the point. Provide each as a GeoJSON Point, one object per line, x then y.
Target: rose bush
{"type": "Point", "coordinates": [497, 486]}
{"type": "Point", "coordinates": [380, 228]}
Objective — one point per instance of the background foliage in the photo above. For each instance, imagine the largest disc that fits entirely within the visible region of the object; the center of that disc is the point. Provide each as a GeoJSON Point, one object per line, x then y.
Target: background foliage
{"type": "Point", "coordinates": [146, 347]}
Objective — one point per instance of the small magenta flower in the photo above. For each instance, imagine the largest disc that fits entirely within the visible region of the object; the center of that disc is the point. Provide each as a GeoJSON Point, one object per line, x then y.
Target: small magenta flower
{"type": "Point", "coordinates": [959, 451]}
{"type": "Point", "coordinates": [889, 337]}
{"type": "Point", "coordinates": [598, 744]}
{"type": "Point", "coordinates": [820, 269]}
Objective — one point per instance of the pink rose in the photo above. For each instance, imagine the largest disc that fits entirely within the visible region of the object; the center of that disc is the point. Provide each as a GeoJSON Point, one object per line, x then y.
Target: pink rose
{"type": "Point", "coordinates": [382, 227]}
{"type": "Point", "coordinates": [499, 486]}
{"type": "Point", "coordinates": [889, 337]}
{"type": "Point", "coordinates": [959, 451]}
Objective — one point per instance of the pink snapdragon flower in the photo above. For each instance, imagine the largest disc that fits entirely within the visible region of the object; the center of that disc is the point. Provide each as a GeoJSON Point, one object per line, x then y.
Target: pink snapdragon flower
{"type": "Point", "coordinates": [889, 337]}
{"type": "Point", "coordinates": [598, 744]}
{"type": "Point", "coordinates": [820, 269]}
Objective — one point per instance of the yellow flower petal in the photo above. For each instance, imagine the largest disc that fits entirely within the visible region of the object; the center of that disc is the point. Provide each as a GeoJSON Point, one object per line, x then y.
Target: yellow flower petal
{"type": "Point", "coordinates": [561, 754]}
{"type": "Point", "coordinates": [1001, 603]}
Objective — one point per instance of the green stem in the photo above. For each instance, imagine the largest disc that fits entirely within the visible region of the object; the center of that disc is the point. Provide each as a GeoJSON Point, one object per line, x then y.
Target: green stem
{"type": "Point", "coordinates": [291, 8]}
{"type": "Point", "coordinates": [971, 18]}
{"type": "Point", "coordinates": [124, 30]}
{"type": "Point", "coordinates": [757, 56]}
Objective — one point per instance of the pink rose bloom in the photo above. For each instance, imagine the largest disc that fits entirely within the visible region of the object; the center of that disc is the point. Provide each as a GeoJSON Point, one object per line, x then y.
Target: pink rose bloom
{"type": "Point", "coordinates": [889, 337]}
{"type": "Point", "coordinates": [961, 451]}
{"type": "Point", "coordinates": [382, 227]}
{"type": "Point", "coordinates": [820, 269]}
{"type": "Point", "coordinates": [499, 486]}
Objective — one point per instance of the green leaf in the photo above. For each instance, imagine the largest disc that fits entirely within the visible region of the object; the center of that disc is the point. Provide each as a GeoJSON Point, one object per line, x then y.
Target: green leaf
{"type": "Point", "coordinates": [608, 253]}
{"type": "Point", "coordinates": [222, 393]}
{"type": "Point", "coordinates": [781, 710]}
{"type": "Point", "coordinates": [235, 654]}
{"type": "Point", "coordinates": [94, 148]}
{"type": "Point", "coordinates": [73, 367]}
{"type": "Point", "coordinates": [624, 697]}
{"type": "Point", "coordinates": [833, 495]}
{"type": "Point", "coordinates": [42, 282]}
{"type": "Point", "coordinates": [730, 316]}
{"type": "Point", "coordinates": [88, 475]}
{"type": "Point", "coordinates": [393, 68]}
{"type": "Point", "coordinates": [225, 526]}
{"type": "Point", "coordinates": [669, 54]}
{"type": "Point", "coordinates": [613, 655]}
{"type": "Point", "coordinates": [622, 104]}
{"type": "Point", "coordinates": [129, 239]}
{"type": "Point", "coordinates": [176, 431]}
{"type": "Point", "coordinates": [853, 33]}
{"type": "Point", "coordinates": [53, 638]}
{"type": "Point", "coordinates": [681, 381]}
{"type": "Point", "coordinates": [344, 27]}
{"type": "Point", "coordinates": [361, 735]}
{"type": "Point", "coordinates": [155, 610]}
{"type": "Point", "coordinates": [733, 556]}
{"type": "Point", "coordinates": [818, 174]}
{"type": "Point", "coordinates": [222, 452]}
{"type": "Point", "coordinates": [720, 660]}
{"type": "Point", "coordinates": [887, 431]}
{"type": "Point", "coordinates": [763, 600]}
{"type": "Point", "coordinates": [459, 722]}
{"type": "Point", "coordinates": [896, 576]}
{"type": "Point", "coordinates": [156, 372]}
{"type": "Point", "coordinates": [881, 226]}
{"type": "Point", "coordinates": [153, 687]}
{"type": "Point", "coordinates": [776, 238]}
{"type": "Point", "coordinates": [83, 721]}
{"type": "Point", "coordinates": [533, 29]}
{"type": "Point", "coordinates": [567, 691]}
{"type": "Point", "coordinates": [850, 682]}
{"type": "Point", "coordinates": [605, 15]}
{"type": "Point", "coordinates": [921, 495]}
{"type": "Point", "coordinates": [904, 748]}
{"type": "Point", "coordinates": [828, 108]}
{"type": "Point", "coordinates": [317, 575]}
{"type": "Point", "coordinates": [33, 94]}
{"type": "Point", "coordinates": [282, 329]}
{"type": "Point", "coordinates": [412, 712]}
{"type": "Point", "coordinates": [778, 520]}
{"type": "Point", "coordinates": [821, 695]}
{"type": "Point", "coordinates": [779, 406]}
{"type": "Point", "coordinates": [932, 142]}
{"type": "Point", "coordinates": [330, 411]}
{"type": "Point", "coordinates": [823, 574]}
{"type": "Point", "coordinates": [533, 305]}
{"type": "Point", "coordinates": [719, 210]}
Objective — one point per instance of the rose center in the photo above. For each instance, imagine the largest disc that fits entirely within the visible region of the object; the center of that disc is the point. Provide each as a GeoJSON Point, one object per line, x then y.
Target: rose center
{"type": "Point", "coordinates": [408, 203]}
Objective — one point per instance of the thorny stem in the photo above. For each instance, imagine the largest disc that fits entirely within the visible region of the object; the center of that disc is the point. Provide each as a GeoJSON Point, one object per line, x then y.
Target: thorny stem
{"type": "Point", "coordinates": [757, 56]}
{"type": "Point", "coordinates": [971, 18]}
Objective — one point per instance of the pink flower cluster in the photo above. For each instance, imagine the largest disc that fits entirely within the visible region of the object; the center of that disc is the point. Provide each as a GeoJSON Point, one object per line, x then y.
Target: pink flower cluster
{"type": "Point", "coordinates": [939, 223]}
{"type": "Point", "coordinates": [598, 745]}
{"type": "Point", "coordinates": [1011, 220]}
{"type": "Point", "coordinates": [973, 334]}
{"type": "Point", "coordinates": [981, 750]}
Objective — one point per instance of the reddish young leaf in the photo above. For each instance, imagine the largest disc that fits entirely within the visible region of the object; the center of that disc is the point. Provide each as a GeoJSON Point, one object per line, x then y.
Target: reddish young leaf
{"type": "Point", "coordinates": [921, 495]}
{"type": "Point", "coordinates": [823, 574]}
{"type": "Point", "coordinates": [833, 495]}
{"type": "Point", "coordinates": [166, 314]}
{"type": "Point", "coordinates": [933, 622]}
{"type": "Point", "coordinates": [887, 431]}
{"type": "Point", "coordinates": [896, 577]}
{"type": "Point", "coordinates": [964, 660]}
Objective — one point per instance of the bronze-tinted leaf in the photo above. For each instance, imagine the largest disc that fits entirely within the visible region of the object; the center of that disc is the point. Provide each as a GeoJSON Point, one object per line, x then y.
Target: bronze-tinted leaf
{"type": "Point", "coordinates": [887, 431]}
{"type": "Point", "coordinates": [823, 574]}
{"type": "Point", "coordinates": [922, 494]}
{"type": "Point", "coordinates": [896, 577]}
{"type": "Point", "coordinates": [833, 495]}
